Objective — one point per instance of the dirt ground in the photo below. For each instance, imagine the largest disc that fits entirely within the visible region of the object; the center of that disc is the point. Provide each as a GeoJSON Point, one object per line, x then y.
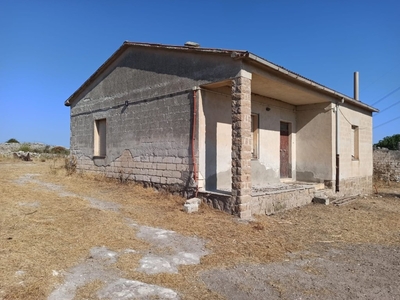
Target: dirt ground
{"type": "Point", "coordinates": [86, 237]}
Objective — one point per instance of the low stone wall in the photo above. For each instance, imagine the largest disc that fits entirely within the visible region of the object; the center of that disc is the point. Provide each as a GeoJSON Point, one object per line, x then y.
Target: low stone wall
{"type": "Point", "coordinates": [35, 150]}
{"type": "Point", "coordinates": [223, 202]}
{"type": "Point", "coordinates": [387, 164]}
{"type": "Point", "coordinates": [272, 203]}
{"type": "Point", "coordinates": [6, 149]}
{"type": "Point", "coordinates": [266, 203]}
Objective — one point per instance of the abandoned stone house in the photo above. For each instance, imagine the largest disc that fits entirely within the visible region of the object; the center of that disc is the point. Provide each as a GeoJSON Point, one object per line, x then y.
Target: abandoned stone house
{"type": "Point", "coordinates": [246, 135]}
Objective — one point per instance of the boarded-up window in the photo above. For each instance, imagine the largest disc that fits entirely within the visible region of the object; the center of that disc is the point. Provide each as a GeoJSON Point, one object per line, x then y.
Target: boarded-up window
{"type": "Point", "coordinates": [254, 135]}
{"type": "Point", "coordinates": [100, 138]}
{"type": "Point", "coordinates": [355, 132]}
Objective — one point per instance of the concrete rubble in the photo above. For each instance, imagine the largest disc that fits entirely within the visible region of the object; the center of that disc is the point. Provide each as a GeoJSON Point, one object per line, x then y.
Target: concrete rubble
{"type": "Point", "coordinates": [192, 205]}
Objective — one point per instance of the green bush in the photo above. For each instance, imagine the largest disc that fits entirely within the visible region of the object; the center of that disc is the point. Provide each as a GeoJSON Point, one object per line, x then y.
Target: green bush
{"type": "Point", "coordinates": [14, 141]}
{"type": "Point", "coordinates": [25, 148]}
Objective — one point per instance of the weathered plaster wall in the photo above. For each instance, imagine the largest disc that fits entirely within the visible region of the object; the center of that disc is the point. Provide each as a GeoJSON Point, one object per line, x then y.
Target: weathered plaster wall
{"type": "Point", "coordinates": [316, 147]}
{"type": "Point", "coordinates": [156, 125]}
{"type": "Point", "coordinates": [216, 132]}
{"type": "Point", "coordinates": [215, 141]}
{"type": "Point", "coordinates": [267, 167]}
{"type": "Point", "coordinates": [315, 142]}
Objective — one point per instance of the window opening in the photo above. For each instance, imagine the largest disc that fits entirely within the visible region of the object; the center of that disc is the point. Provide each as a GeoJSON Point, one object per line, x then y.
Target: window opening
{"type": "Point", "coordinates": [100, 138]}
{"type": "Point", "coordinates": [355, 142]}
{"type": "Point", "coordinates": [254, 135]}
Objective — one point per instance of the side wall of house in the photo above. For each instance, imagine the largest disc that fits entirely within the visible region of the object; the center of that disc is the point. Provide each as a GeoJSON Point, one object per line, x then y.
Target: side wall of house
{"type": "Point", "coordinates": [146, 100]}
{"type": "Point", "coordinates": [316, 147]}
{"type": "Point", "coordinates": [356, 153]}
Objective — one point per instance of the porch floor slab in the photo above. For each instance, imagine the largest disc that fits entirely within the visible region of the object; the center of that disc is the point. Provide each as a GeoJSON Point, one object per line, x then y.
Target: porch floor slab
{"type": "Point", "coordinates": [272, 188]}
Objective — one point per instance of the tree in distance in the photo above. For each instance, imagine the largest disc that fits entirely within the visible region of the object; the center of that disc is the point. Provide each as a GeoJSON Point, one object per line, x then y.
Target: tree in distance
{"type": "Point", "coordinates": [14, 141]}
{"type": "Point", "coordinates": [389, 142]}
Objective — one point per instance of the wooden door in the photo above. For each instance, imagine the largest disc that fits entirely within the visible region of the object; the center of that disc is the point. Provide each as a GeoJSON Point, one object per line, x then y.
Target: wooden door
{"type": "Point", "coordinates": [284, 151]}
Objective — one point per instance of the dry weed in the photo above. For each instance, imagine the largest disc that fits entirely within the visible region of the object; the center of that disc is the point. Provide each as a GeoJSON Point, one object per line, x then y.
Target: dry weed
{"type": "Point", "coordinates": [58, 233]}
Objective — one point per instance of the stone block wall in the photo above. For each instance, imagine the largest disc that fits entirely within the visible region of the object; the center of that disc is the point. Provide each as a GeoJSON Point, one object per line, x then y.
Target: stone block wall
{"type": "Point", "coordinates": [223, 202]}
{"type": "Point", "coordinates": [387, 164]}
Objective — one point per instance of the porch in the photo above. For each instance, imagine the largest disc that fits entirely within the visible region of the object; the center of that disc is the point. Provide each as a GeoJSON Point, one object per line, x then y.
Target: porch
{"type": "Point", "coordinates": [250, 157]}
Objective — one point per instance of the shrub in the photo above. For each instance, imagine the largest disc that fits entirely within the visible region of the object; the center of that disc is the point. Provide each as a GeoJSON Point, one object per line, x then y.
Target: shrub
{"type": "Point", "coordinates": [59, 150]}
{"type": "Point", "coordinates": [25, 148]}
{"type": "Point", "coordinates": [13, 141]}
{"type": "Point", "coordinates": [46, 149]}
{"type": "Point", "coordinates": [70, 165]}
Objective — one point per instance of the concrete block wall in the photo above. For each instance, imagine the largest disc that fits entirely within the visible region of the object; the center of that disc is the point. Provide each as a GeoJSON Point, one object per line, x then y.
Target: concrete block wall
{"type": "Point", "coordinates": [355, 186]}
{"type": "Point", "coordinates": [350, 187]}
{"type": "Point", "coordinates": [156, 134]}
{"type": "Point", "coordinates": [168, 173]}
{"type": "Point", "coordinates": [387, 164]}
{"type": "Point", "coordinates": [156, 124]}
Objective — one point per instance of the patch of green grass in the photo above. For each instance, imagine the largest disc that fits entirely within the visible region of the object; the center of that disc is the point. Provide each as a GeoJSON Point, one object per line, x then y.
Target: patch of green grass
{"type": "Point", "coordinates": [26, 148]}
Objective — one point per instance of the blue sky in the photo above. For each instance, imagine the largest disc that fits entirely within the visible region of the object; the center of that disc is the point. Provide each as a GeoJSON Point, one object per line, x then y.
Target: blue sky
{"type": "Point", "coordinates": [49, 48]}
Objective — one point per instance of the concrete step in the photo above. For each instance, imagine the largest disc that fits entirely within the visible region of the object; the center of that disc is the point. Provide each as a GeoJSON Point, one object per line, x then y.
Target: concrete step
{"type": "Point", "coordinates": [344, 200]}
{"type": "Point", "coordinates": [322, 196]}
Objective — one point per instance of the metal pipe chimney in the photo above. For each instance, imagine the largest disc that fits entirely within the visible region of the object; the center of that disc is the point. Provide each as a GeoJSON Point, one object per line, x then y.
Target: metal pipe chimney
{"type": "Point", "coordinates": [356, 83]}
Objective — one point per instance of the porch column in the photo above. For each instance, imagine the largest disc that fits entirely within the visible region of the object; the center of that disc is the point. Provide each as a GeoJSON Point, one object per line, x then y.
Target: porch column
{"type": "Point", "coordinates": [241, 144]}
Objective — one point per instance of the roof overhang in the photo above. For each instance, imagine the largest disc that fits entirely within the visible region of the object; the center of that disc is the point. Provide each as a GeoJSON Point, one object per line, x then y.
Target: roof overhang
{"type": "Point", "coordinates": [301, 80]}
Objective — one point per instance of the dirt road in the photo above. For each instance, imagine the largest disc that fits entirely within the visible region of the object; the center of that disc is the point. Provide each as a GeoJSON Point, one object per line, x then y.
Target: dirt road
{"type": "Point", "coordinates": [85, 237]}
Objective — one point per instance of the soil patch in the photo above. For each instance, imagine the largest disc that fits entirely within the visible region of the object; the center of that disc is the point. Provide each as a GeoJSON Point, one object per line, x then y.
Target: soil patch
{"type": "Point", "coordinates": [338, 272]}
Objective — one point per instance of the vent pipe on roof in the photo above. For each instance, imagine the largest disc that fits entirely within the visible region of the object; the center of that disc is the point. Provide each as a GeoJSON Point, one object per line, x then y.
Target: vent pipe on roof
{"type": "Point", "coordinates": [192, 44]}
{"type": "Point", "coordinates": [356, 83]}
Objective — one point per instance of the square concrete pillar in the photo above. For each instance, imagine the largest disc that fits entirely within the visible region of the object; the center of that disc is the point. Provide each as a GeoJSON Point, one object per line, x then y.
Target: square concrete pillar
{"type": "Point", "coordinates": [241, 145]}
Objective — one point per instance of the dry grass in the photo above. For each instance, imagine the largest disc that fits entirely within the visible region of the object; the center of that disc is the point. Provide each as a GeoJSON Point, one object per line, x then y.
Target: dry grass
{"type": "Point", "coordinates": [59, 232]}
